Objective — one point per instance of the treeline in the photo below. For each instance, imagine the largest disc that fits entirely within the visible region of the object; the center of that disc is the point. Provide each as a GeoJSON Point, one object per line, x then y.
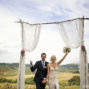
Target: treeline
{"type": "Point", "coordinates": [7, 66]}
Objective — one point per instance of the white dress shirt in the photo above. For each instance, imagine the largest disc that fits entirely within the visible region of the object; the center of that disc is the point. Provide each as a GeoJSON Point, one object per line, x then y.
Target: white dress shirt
{"type": "Point", "coordinates": [43, 63]}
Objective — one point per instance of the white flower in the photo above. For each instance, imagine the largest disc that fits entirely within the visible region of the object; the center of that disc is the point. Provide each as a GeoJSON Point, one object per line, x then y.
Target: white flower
{"type": "Point", "coordinates": [65, 49]}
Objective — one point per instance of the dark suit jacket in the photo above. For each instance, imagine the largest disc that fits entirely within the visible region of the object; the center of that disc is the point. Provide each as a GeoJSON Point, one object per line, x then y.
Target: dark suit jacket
{"type": "Point", "coordinates": [41, 72]}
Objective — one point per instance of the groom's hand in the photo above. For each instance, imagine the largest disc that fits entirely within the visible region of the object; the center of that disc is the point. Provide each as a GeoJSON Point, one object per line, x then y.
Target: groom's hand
{"type": "Point", "coordinates": [30, 62]}
{"type": "Point", "coordinates": [44, 81]}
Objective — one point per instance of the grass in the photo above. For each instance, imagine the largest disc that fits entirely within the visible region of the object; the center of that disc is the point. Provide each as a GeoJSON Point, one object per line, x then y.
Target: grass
{"type": "Point", "coordinates": [14, 86]}
{"type": "Point", "coordinates": [10, 72]}
{"type": "Point", "coordinates": [63, 78]}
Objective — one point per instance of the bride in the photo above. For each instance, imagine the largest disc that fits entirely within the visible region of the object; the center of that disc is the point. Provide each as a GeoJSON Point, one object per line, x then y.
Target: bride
{"type": "Point", "coordinates": [52, 75]}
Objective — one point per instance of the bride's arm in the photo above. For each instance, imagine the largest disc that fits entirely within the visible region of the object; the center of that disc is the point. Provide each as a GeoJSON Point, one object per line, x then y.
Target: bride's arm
{"type": "Point", "coordinates": [62, 58]}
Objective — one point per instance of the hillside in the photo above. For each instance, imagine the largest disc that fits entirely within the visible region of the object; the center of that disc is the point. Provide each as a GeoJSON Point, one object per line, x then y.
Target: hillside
{"type": "Point", "coordinates": [13, 67]}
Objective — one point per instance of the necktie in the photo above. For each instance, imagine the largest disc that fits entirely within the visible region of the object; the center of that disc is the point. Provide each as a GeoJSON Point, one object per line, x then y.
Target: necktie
{"type": "Point", "coordinates": [43, 63]}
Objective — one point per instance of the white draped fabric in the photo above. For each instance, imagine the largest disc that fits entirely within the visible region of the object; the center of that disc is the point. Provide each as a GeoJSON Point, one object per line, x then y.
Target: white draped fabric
{"type": "Point", "coordinates": [83, 70]}
{"type": "Point", "coordinates": [73, 34]}
{"type": "Point", "coordinates": [30, 38]}
{"type": "Point", "coordinates": [21, 73]}
{"type": "Point", "coordinates": [31, 35]}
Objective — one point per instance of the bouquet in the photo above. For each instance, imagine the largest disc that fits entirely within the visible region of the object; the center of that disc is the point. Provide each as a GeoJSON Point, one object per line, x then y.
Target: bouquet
{"type": "Point", "coordinates": [66, 49]}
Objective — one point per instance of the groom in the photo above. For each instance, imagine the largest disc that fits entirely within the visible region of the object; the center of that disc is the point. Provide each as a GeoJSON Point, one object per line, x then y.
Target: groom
{"type": "Point", "coordinates": [40, 76]}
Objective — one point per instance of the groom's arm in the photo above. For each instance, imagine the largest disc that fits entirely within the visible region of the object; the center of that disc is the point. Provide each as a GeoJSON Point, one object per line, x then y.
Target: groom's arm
{"type": "Point", "coordinates": [44, 80]}
{"type": "Point", "coordinates": [33, 67]}
{"type": "Point", "coordinates": [46, 71]}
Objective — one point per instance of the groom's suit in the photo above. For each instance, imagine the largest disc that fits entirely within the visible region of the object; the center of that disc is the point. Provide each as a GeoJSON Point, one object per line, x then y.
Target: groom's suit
{"type": "Point", "coordinates": [41, 73]}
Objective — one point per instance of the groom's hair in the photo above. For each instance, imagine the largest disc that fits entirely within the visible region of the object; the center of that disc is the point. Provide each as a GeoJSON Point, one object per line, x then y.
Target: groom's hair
{"type": "Point", "coordinates": [43, 54]}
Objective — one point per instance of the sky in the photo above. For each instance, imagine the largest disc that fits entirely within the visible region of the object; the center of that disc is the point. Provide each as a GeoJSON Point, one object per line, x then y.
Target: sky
{"type": "Point", "coordinates": [37, 11]}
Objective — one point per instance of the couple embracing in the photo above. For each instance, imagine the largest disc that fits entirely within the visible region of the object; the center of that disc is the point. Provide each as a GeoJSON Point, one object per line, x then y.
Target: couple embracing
{"type": "Point", "coordinates": [46, 72]}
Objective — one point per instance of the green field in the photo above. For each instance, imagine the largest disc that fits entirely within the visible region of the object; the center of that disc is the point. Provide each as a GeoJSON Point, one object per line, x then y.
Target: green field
{"type": "Point", "coordinates": [68, 77]}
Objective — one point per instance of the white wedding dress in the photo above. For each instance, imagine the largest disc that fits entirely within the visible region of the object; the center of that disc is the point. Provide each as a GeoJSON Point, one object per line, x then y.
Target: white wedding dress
{"type": "Point", "coordinates": [53, 78]}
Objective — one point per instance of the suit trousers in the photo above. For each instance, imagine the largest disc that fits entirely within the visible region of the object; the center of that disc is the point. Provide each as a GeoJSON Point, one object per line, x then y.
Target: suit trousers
{"type": "Point", "coordinates": [40, 86]}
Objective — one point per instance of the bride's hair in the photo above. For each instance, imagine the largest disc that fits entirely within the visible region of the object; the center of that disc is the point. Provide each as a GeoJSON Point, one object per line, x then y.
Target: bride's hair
{"type": "Point", "coordinates": [54, 57]}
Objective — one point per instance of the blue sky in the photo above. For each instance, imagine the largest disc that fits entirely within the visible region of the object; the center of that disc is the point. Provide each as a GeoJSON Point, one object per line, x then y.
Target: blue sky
{"type": "Point", "coordinates": [49, 10]}
{"type": "Point", "coordinates": [34, 11]}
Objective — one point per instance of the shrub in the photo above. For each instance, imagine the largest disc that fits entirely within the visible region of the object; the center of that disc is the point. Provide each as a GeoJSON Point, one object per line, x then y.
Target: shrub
{"type": "Point", "coordinates": [7, 80]}
{"type": "Point", "coordinates": [29, 80]}
{"type": "Point", "coordinates": [74, 80]}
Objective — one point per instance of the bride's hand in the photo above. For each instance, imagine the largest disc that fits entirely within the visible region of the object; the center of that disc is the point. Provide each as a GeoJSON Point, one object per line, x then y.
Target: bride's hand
{"type": "Point", "coordinates": [67, 51]}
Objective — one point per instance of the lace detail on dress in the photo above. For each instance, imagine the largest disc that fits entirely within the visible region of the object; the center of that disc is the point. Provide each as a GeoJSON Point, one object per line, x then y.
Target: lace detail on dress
{"type": "Point", "coordinates": [53, 78]}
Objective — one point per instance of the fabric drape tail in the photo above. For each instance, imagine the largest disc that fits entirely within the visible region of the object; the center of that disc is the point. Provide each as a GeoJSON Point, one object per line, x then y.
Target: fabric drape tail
{"type": "Point", "coordinates": [71, 33]}
{"type": "Point", "coordinates": [30, 38]}
{"type": "Point", "coordinates": [31, 35]}
{"type": "Point", "coordinates": [21, 73]}
{"type": "Point", "coordinates": [83, 69]}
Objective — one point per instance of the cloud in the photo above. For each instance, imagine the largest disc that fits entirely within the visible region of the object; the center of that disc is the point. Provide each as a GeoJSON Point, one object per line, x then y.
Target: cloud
{"type": "Point", "coordinates": [3, 51]}
{"type": "Point", "coordinates": [45, 8]}
{"type": "Point", "coordinates": [9, 36]}
{"type": "Point", "coordinates": [48, 10]}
